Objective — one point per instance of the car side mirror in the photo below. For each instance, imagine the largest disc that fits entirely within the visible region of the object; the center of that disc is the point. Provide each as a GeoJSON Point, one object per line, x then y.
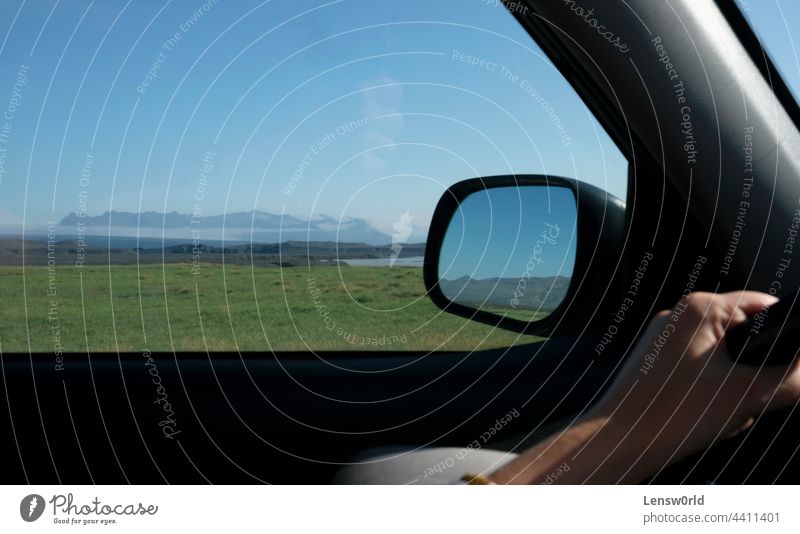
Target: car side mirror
{"type": "Point", "coordinates": [520, 252]}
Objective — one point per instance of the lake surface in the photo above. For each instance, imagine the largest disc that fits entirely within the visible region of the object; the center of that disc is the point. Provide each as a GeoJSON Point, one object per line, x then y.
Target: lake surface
{"type": "Point", "coordinates": [415, 261]}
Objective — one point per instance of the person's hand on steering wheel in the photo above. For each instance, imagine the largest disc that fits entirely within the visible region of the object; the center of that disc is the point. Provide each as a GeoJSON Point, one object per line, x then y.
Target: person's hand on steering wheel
{"type": "Point", "coordinates": [678, 393]}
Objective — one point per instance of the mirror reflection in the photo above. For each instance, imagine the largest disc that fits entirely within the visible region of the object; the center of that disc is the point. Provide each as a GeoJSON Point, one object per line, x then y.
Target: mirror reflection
{"type": "Point", "coordinates": [511, 250]}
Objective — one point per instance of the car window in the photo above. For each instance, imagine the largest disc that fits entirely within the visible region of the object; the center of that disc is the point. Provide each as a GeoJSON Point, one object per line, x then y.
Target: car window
{"type": "Point", "coordinates": [259, 176]}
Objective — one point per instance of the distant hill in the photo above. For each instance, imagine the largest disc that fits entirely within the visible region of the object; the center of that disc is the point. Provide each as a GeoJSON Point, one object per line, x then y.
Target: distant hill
{"type": "Point", "coordinates": [253, 225]}
{"type": "Point", "coordinates": [286, 254]}
{"type": "Point", "coordinates": [11, 250]}
{"type": "Point", "coordinates": [544, 293]}
{"type": "Point", "coordinates": [326, 249]}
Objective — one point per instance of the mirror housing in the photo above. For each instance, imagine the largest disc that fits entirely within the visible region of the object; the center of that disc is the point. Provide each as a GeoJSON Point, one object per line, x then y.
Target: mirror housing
{"type": "Point", "coordinates": [595, 241]}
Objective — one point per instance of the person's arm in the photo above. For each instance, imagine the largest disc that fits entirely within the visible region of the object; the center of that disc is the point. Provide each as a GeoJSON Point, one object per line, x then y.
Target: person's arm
{"type": "Point", "coordinates": [678, 393]}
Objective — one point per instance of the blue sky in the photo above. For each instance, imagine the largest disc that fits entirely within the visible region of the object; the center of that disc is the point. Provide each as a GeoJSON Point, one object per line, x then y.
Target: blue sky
{"type": "Point", "coordinates": [777, 24]}
{"type": "Point", "coordinates": [347, 108]}
{"type": "Point", "coordinates": [504, 232]}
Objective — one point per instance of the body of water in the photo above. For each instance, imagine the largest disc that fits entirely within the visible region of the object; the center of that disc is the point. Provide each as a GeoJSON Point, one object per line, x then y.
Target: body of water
{"type": "Point", "coordinates": [415, 261]}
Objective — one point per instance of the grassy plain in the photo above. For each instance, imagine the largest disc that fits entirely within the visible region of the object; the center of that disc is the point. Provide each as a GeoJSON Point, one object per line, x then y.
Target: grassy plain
{"type": "Point", "coordinates": [225, 308]}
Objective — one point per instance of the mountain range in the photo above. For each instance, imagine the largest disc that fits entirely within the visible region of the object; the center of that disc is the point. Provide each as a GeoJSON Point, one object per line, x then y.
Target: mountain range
{"type": "Point", "coordinates": [249, 226]}
{"type": "Point", "coordinates": [544, 293]}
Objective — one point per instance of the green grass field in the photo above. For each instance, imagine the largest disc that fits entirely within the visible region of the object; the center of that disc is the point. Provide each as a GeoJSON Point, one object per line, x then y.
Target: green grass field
{"type": "Point", "coordinates": [164, 308]}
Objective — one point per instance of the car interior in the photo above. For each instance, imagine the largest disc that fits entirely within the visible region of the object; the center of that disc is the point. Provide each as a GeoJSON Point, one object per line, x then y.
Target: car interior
{"type": "Point", "coordinates": [707, 130]}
